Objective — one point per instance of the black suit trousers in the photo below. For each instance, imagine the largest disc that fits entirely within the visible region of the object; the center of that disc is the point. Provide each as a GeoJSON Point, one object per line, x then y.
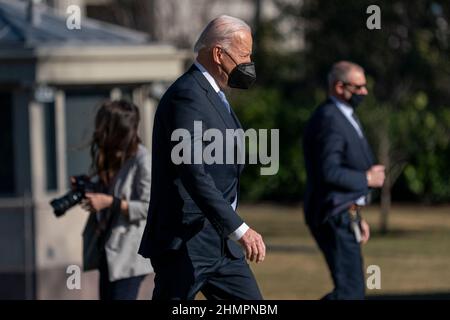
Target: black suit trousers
{"type": "Point", "coordinates": [343, 255]}
{"type": "Point", "coordinates": [180, 276]}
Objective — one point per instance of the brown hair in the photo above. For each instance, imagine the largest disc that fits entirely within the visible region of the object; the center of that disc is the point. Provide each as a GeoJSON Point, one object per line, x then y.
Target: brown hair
{"type": "Point", "coordinates": [115, 138]}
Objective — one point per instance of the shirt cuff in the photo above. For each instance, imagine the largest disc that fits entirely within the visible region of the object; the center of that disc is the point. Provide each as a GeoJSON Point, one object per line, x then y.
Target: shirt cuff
{"type": "Point", "coordinates": [361, 201]}
{"type": "Point", "coordinates": [239, 232]}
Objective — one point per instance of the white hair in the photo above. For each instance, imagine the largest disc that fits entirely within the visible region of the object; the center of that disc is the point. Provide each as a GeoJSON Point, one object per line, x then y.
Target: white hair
{"type": "Point", "coordinates": [340, 71]}
{"type": "Point", "coordinates": [221, 31]}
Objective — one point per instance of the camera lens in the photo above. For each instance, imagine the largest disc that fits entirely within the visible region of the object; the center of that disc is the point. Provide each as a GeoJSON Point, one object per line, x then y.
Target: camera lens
{"type": "Point", "coordinates": [61, 205]}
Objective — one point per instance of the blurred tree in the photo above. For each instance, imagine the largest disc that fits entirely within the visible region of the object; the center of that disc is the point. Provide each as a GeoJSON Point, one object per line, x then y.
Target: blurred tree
{"type": "Point", "coordinates": [406, 116]}
{"type": "Point", "coordinates": [408, 65]}
{"type": "Point", "coordinates": [167, 21]}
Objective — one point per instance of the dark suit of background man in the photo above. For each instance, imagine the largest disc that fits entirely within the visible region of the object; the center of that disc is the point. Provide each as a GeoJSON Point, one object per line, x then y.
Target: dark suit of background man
{"type": "Point", "coordinates": [340, 172]}
{"type": "Point", "coordinates": [192, 228]}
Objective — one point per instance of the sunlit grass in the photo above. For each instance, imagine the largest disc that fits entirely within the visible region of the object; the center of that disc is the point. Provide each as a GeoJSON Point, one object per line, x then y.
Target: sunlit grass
{"type": "Point", "coordinates": [414, 256]}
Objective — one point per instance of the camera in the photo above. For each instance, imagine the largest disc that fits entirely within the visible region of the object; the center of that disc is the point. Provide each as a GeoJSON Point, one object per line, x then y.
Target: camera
{"type": "Point", "coordinates": [73, 197]}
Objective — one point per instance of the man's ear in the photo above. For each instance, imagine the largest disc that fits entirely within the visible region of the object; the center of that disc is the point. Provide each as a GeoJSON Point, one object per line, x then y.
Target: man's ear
{"type": "Point", "coordinates": [217, 55]}
{"type": "Point", "coordinates": [339, 88]}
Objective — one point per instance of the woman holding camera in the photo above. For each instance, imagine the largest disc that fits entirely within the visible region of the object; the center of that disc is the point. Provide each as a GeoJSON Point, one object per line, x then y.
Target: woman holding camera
{"type": "Point", "coordinates": [121, 165]}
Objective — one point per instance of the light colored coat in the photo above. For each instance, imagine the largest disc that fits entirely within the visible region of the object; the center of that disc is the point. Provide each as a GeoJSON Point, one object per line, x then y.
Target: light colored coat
{"type": "Point", "coordinates": [132, 183]}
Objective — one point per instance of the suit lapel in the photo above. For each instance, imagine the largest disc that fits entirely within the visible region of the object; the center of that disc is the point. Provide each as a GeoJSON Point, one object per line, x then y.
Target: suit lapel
{"type": "Point", "coordinates": [221, 109]}
{"type": "Point", "coordinates": [361, 141]}
{"type": "Point", "coordinates": [369, 152]}
{"type": "Point", "coordinates": [231, 120]}
{"type": "Point", "coordinates": [239, 126]}
{"type": "Point", "coordinates": [365, 144]}
{"type": "Point", "coordinates": [213, 97]}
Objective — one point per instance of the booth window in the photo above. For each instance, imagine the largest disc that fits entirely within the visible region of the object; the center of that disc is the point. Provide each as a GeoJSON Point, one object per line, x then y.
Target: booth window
{"type": "Point", "coordinates": [50, 146]}
{"type": "Point", "coordinates": [81, 107]}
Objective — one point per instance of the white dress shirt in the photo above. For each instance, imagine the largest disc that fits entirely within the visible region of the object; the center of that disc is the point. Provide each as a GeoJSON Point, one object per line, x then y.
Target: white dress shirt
{"type": "Point", "coordinates": [239, 232]}
{"type": "Point", "coordinates": [347, 111]}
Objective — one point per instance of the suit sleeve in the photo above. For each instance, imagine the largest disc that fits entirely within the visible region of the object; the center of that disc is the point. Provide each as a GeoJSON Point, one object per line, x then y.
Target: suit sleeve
{"type": "Point", "coordinates": [332, 147]}
{"type": "Point", "coordinates": [186, 108]}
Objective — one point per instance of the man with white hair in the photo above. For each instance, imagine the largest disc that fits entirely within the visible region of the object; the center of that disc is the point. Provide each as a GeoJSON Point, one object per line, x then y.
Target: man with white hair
{"type": "Point", "coordinates": [193, 230]}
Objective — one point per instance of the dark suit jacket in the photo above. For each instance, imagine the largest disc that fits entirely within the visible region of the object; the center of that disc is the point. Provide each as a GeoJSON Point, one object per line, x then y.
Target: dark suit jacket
{"type": "Point", "coordinates": [336, 160]}
{"type": "Point", "coordinates": [190, 204]}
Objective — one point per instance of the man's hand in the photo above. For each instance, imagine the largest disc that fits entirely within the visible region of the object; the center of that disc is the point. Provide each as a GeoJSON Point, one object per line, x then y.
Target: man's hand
{"type": "Point", "coordinates": [255, 249]}
{"type": "Point", "coordinates": [375, 176]}
{"type": "Point", "coordinates": [365, 231]}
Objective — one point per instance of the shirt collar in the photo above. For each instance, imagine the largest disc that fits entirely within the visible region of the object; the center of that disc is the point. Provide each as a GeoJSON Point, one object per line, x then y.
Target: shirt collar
{"type": "Point", "coordinates": [207, 75]}
{"type": "Point", "coordinates": [347, 111]}
{"type": "Point", "coordinates": [344, 107]}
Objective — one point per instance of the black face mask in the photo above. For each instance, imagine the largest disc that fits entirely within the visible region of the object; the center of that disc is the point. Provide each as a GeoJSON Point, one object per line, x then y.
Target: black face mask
{"type": "Point", "coordinates": [355, 100]}
{"type": "Point", "coordinates": [242, 76]}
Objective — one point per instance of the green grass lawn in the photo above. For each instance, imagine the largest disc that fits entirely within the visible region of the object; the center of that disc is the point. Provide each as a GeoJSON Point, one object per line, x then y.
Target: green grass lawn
{"type": "Point", "coordinates": [414, 256]}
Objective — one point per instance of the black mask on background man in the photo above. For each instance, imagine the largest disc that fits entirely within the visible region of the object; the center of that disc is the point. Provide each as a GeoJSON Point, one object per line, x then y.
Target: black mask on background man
{"type": "Point", "coordinates": [242, 76]}
{"type": "Point", "coordinates": [355, 100]}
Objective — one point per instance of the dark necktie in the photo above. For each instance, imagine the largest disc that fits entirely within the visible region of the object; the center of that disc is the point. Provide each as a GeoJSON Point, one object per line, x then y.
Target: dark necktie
{"type": "Point", "coordinates": [367, 198]}
{"type": "Point", "coordinates": [363, 138]}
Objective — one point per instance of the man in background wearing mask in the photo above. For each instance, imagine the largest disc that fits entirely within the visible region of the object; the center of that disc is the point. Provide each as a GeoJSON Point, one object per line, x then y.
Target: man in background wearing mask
{"type": "Point", "coordinates": [193, 230]}
{"type": "Point", "coordinates": [340, 173]}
